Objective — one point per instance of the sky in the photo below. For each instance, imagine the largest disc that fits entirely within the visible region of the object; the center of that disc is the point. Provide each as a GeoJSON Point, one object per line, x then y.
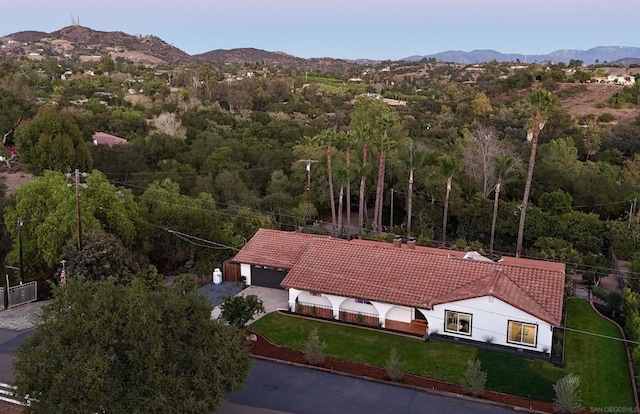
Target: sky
{"type": "Point", "coordinates": [349, 29]}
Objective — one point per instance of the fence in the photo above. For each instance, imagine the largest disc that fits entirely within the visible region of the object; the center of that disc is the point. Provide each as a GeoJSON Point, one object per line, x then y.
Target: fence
{"type": "Point", "coordinates": [320, 311]}
{"type": "Point", "coordinates": [23, 293]}
{"type": "Point", "coordinates": [361, 318]}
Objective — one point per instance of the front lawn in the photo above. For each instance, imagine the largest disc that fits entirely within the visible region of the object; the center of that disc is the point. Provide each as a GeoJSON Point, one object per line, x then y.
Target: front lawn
{"type": "Point", "coordinates": [511, 374]}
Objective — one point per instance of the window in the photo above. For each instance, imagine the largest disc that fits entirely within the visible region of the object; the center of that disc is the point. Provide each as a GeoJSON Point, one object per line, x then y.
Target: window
{"type": "Point", "coordinates": [522, 333]}
{"type": "Point", "coordinates": [363, 301]}
{"type": "Point", "coordinates": [458, 322]}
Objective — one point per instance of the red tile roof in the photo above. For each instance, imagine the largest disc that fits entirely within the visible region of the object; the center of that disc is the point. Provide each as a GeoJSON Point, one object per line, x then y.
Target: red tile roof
{"type": "Point", "coordinates": [102, 138]}
{"type": "Point", "coordinates": [417, 278]}
{"type": "Point", "coordinates": [273, 248]}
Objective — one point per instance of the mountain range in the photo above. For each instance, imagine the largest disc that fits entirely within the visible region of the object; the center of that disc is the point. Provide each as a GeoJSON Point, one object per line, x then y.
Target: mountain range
{"type": "Point", "coordinates": [90, 44]}
{"type": "Point", "coordinates": [599, 54]}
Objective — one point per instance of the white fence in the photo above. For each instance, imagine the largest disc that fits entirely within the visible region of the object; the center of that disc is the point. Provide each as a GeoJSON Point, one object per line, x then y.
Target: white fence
{"type": "Point", "coordinates": [7, 393]}
{"type": "Point", "coordinates": [23, 293]}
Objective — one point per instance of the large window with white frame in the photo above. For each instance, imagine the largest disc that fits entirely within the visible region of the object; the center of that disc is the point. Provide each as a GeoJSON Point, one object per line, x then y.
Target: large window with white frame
{"type": "Point", "coordinates": [522, 333]}
{"type": "Point", "coordinates": [457, 322]}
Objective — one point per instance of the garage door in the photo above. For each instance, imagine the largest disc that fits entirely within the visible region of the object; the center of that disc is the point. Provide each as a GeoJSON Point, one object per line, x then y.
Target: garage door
{"type": "Point", "coordinates": [267, 277]}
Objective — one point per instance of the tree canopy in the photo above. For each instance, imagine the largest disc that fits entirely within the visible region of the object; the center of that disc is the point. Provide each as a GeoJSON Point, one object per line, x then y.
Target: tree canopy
{"type": "Point", "coordinates": [109, 347]}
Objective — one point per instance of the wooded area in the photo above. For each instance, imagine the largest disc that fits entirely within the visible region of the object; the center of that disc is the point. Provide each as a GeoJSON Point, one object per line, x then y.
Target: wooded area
{"type": "Point", "coordinates": [482, 157]}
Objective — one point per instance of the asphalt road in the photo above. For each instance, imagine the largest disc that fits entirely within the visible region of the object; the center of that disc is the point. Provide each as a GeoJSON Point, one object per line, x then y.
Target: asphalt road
{"type": "Point", "coordinates": [292, 389]}
{"type": "Point", "coordinates": [9, 339]}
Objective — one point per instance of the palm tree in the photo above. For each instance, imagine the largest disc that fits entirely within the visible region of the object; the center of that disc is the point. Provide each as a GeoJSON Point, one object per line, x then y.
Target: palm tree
{"type": "Point", "coordinates": [502, 167]}
{"type": "Point", "coordinates": [542, 103]}
{"type": "Point", "coordinates": [348, 140]}
{"type": "Point", "coordinates": [327, 139]}
{"type": "Point", "coordinates": [363, 135]}
{"type": "Point", "coordinates": [384, 145]}
{"type": "Point", "coordinates": [592, 138]}
{"type": "Point", "coordinates": [449, 166]}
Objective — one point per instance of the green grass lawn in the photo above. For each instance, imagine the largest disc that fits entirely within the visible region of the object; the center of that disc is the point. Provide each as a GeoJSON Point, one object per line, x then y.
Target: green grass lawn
{"type": "Point", "coordinates": [601, 363]}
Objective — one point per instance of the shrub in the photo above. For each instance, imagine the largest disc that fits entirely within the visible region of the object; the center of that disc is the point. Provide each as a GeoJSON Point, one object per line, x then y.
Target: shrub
{"type": "Point", "coordinates": [475, 378]}
{"type": "Point", "coordinates": [606, 117]}
{"type": "Point", "coordinates": [314, 349]}
{"type": "Point", "coordinates": [567, 396]}
{"type": "Point", "coordinates": [238, 310]}
{"type": "Point", "coordinates": [394, 366]}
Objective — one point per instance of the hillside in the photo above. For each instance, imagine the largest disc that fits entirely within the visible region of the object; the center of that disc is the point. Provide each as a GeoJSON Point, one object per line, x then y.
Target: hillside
{"type": "Point", "coordinates": [581, 100]}
{"type": "Point", "coordinates": [89, 44]}
{"type": "Point", "coordinates": [251, 55]}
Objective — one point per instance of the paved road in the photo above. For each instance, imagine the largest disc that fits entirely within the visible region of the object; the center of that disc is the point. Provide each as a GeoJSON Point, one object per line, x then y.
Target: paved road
{"type": "Point", "coordinates": [291, 389]}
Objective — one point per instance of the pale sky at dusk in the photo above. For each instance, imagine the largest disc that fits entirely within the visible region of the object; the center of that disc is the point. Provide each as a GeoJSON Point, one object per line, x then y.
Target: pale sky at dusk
{"type": "Point", "coordinates": [374, 29]}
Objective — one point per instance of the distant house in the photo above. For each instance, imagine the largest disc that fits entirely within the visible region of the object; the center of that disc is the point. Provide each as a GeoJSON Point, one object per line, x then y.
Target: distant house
{"type": "Point", "coordinates": [513, 302]}
{"type": "Point", "coordinates": [102, 138]}
{"type": "Point", "coordinates": [615, 80]}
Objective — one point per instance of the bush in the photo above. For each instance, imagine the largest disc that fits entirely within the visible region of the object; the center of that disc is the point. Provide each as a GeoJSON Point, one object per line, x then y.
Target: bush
{"type": "Point", "coordinates": [394, 366]}
{"type": "Point", "coordinates": [567, 396]}
{"type": "Point", "coordinates": [475, 378]}
{"type": "Point", "coordinates": [314, 349]}
{"type": "Point", "coordinates": [606, 117]}
{"type": "Point", "coordinates": [238, 310]}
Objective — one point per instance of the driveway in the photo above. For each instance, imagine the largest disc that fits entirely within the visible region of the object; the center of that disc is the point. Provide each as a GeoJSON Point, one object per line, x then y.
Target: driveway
{"type": "Point", "coordinates": [272, 299]}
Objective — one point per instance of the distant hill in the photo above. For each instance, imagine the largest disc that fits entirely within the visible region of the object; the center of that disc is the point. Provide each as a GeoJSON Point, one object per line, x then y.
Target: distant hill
{"type": "Point", "coordinates": [84, 42]}
{"type": "Point", "coordinates": [88, 44]}
{"type": "Point", "coordinates": [588, 57]}
{"type": "Point", "coordinates": [250, 55]}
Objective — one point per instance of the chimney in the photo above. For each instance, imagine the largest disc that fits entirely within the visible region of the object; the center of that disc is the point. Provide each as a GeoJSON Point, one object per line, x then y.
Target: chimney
{"type": "Point", "coordinates": [411, 243]}
{"type": "Point", "coordinates": [397, 241]}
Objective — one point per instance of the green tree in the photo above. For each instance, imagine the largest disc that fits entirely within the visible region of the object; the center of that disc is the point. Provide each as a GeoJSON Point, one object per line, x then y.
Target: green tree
{"type": "Point", "coordinates": [183, 227]}
{"type": "Point", "coordinates": [238, 310]}
{"type": "Point", "coordinates": [102, 256]}
{"type": "Point", "coordinates": [52, 141]}
{"type": "Point", "coordinates": [47, 207]}
{"type": "Point", "coordinates": [542, 104]}
{"type": "Point", "coordinates": [107, 347]}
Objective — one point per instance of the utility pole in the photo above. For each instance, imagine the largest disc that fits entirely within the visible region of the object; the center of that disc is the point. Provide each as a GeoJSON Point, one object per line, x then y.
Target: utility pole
{"type": "Point", "coordinates": [409, 202]}
{"type": "Point", "coordinates": [78, 216]}
{"type": "Point", "coordinates": [632, 211]}
{"type": "Point", "coordinates": [20, 223]}
{"type": "Point", "coordinates": [308, 168]}
{"type": "Point", "coordinates": [391, 218]}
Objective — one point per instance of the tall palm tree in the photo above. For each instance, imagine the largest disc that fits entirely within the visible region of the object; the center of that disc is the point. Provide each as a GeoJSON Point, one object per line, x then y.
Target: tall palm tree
{"type": "Point", "coordinates": [542, 103]}
{"type": "Point", "coordinates": [348, 140]}
{"type": "Point", "coordinates": [384, 144]}
{"type": "Point", "coordinates": [449, 166]}
{"type": "Point", "coordinates": [502, 167]}
{"type": "Point", "coordinates": [363, 135]}
{"type": "Point", "coordinates": [327, 139]}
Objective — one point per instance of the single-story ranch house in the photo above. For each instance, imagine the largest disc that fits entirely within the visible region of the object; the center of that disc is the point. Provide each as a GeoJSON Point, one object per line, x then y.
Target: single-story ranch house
{"type": "Point", "coordinates": [400, 286]}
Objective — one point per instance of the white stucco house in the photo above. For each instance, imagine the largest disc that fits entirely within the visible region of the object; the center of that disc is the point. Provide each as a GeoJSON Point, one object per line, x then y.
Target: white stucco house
{"type": "Point", "coordinates": [403, 287]}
